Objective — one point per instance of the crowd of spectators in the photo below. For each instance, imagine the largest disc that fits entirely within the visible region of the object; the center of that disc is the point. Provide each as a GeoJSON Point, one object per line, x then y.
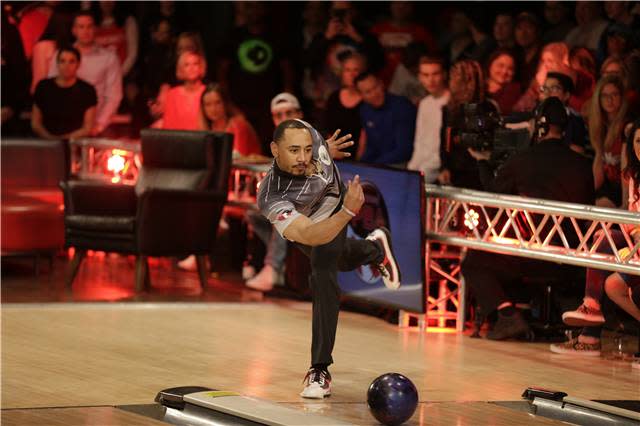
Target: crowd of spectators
{"type": "Point", "coordinates": [395, 75]}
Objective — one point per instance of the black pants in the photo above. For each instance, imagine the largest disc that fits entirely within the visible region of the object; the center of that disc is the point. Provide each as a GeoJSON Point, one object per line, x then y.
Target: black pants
{"type": "Point", "coordinates": [341, 254]}
{"type": "Point", "coordinates": [488, 274]}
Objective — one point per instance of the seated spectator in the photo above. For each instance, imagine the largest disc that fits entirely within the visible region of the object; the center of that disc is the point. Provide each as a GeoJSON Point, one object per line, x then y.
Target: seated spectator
{"type": "Point", "coordinates": [557, 14]}
{"type": "Point", "coordinates": [503, 31]}
{"type": "Point", "coordinates": [567, 177]}
{"type": "Point", "coordinates": [396, 33]}
{"type": "Point", "coordinates": [527, 33]}
{"type": "Point", "coordinates": [389, 122]}
{"type": "Point", "coordinates": [590, 27]}
{"type": "Point", "coordinates": [64, 106]}
{"type": "Point", "coordinates": [117, 32]}
{"type": "Point", "coordinates": [99, 67]}
{"type": "Point", "coordinates": [613, 65]}
{"type": "Point", "coordinates": [623, 289]}
{"type": "Point", "coordinates": [501, 86]}
{"type": "Point", "coordinates": [607, 117]}
{"type": "Point", "coordinates": [182, 104]}
{"type": "Point", "coordinates": [622, 33]}
{"type": "Point", "coordinates": [343, 106]}
{"type": "Point", "coordinates": [561, 86]}
{"type": "Point", "coordinates": [426, 145]}
{"type": "Point", "coordinates": [466, 85]}
{"type": "Point", "coordinates": [217, 114]}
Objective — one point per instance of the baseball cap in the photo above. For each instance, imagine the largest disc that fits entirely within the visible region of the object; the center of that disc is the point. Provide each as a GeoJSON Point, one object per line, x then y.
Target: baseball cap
{"type": "Point", "coordinates": [284, 100]}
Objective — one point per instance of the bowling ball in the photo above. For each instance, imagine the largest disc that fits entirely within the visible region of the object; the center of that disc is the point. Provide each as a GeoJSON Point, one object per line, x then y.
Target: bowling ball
{"type": "Point", "coordinates": [392, 399]}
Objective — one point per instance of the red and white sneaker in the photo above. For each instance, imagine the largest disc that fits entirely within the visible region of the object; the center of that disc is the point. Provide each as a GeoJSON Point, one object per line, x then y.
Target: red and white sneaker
{"type": "Point", "coordinates": [583, 316]}
{"type": "Point", "coordinates": [389, 267]}
{"type": "Point", "coordinates": [317, 384]}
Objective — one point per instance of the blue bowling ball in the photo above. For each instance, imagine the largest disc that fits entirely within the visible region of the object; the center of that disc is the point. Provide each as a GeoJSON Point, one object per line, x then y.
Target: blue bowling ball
{"type": "Point", "coordinates": [392, 399]}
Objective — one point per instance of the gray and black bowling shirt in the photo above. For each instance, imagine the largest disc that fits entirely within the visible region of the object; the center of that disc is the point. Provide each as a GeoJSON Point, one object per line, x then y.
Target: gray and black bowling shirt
{"type": "Point", "coordinates": [283, 197]}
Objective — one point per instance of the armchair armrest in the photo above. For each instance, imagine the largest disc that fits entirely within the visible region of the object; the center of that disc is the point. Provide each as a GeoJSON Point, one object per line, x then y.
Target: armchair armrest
{"type": "Point", "coordinates": [95, 198]}
{"type": "Point", "coordinates": [173, 222]}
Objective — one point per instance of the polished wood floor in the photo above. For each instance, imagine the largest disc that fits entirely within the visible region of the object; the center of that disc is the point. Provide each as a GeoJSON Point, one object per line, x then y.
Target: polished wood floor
{"type": "Point", "coordinates": [71, 360]}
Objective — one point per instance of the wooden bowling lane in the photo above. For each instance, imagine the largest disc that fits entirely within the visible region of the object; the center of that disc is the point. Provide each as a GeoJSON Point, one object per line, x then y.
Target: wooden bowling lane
{"type": "Point", "coordinates": [108, 354]}
{"type": "Point", "coordinates": [72, 416]}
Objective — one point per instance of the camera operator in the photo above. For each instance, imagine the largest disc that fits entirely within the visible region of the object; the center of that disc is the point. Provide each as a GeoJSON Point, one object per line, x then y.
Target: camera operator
{"type": "Point", "coordinates": [548, 169]}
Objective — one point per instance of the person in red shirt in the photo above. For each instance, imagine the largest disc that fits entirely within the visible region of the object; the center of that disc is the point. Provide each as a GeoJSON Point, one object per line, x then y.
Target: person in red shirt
{"type": "Point", "coordinates": [395, 35]}
{"type": "Point", "coordinates": [182, 104]}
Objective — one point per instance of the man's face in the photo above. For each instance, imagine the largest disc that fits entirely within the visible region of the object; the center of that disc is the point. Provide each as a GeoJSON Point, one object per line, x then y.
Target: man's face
{"type": "Point", "coordinates": [68, 65]}
{"type": "Point", "coordinates": [503, 28]}
{"type": "Point", "coordinates": [294, 151]}
{"type": "Point", "coordinates": [283, 114]}
{"type": "Point", "coordinates": [526, 33]}
{"type": "Point", "coordinates": [372, 91]}
{"type": "Point", "coordinates": [432, 78]}
{"type": "Point", "coordinates": [552, 87]}
{"type": "Point", "coordinates": [84, 30]}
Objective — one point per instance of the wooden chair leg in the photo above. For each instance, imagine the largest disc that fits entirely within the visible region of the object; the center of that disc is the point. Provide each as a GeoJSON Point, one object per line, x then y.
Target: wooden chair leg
{"type": "Point", "coordinates": [142, 272]}
{"type": "Point", "coordinates": [78, 257]}
{"type": "Point", "coordinates": [201, 261]}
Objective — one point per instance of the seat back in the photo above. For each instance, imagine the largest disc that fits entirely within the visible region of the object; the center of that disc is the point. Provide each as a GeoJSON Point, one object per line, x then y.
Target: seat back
{"type": "Point", "coordinates": [177, 159]}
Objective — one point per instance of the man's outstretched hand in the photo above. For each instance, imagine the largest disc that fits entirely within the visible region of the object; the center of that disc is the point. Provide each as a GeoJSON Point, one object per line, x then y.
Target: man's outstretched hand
{"type": "Point", "coordinates": [338, 144]}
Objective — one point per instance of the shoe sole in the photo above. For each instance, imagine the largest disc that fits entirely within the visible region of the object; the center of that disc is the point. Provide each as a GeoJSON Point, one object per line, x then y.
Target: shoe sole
{"type": "Point", "coordinates": [571, 352]}
{"type": "Point", "coordinates": [315, 396]}
{"type": "Point", "coordinates": [388, 247]}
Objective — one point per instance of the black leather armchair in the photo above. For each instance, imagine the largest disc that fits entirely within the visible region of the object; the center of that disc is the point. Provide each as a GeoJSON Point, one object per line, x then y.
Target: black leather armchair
{"type": "Point", "coordinates": [173, 210]}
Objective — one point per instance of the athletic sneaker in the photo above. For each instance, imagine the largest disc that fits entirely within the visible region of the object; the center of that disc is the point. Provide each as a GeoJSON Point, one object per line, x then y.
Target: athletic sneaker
{"type": "Point", "coordinates": [575, 347]}
{"type": "Point", "coordinates": [584, 316]}
{"type": "Point", "coordinates": [317, 384]}
{"type": "Point", "coordinates": [389, 267]}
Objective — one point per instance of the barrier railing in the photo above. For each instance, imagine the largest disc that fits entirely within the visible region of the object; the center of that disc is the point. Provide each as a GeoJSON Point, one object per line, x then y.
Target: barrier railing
{"type": "Point", "coordinates": [540, 229]}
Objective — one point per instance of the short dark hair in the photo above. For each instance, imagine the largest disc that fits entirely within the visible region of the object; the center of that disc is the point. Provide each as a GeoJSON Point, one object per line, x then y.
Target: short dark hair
{"type": "Point", "coordinates": [363, 76]}
{"type": "Point", "coordinates": [565, 81]}
{"type": "Point", "coordinates": [69, 49]}
{"type": "Point", "coordinates": [278, 134]}
{"type": "Point", "coordinates": [83, 13]}
{"type": "Point", "coordinates": [432, 59]}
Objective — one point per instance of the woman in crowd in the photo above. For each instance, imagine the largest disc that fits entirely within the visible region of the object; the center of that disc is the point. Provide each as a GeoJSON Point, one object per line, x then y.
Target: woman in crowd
{"type": "Point", "coordinates": [118, 32]}
{"type": "Point", "coordinates": [56, 33]}
{"type": "Point", "coordinates": [342, 107]}
{"type": "Point", "coordinates": [501, 87]}
{"type": "Point", "coordinates": [623, 289]}
{"type": "Point", "coordinates": [606, 122]}
{"type": "Point", "coordinates": [182, 102]}
{"type": "Point", "coordinates": [64, 106]}
{"type": "Point", "coordinates": [219, 115]}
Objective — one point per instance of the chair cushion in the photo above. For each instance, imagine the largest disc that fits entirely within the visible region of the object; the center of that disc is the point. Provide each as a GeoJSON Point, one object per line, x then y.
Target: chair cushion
{"type": "Point", "coordinates": [115, 224]}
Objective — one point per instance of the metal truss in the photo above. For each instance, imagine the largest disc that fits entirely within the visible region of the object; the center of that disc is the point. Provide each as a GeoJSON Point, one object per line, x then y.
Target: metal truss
{"type": "Point", "coordinates": [457, 219]}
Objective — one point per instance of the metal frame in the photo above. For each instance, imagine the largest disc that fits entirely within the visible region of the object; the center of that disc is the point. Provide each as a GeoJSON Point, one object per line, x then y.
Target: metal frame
{"type": "Point", "coordinates": [519, 226]}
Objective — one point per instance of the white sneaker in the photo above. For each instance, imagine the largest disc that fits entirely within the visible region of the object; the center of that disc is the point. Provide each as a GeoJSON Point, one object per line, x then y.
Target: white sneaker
{"type": "Point", "coordinates": [265, 279]}
{"type": "Point", "coordinates": [317, 384]}
{"type": "Point", "coordinates": [189, 264]}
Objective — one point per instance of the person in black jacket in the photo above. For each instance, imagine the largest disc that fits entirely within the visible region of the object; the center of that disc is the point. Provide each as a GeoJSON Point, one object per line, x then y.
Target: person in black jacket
{"type": "Point", "coordinates": [548, 169]}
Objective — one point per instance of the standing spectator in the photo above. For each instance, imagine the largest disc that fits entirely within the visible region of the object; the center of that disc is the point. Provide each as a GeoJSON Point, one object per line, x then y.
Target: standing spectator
{"type": "Point", "coordinates": [395, 34]}
{"type": "Point", "coordinates": [157, 65]}
{"type": "Point", "coordinates": [98, 67]}
{"type": "Point", "coordinates": [389, 122]}
{"type": "Point", "coordinates": [527, 34]}
{"type": "Point", "coordinates": [501, 86]}
{"type": "Point", "coordinates": [405, 81]}
{"type": "Point", "coordinates": [117, 32]}
{"type": "Point", "coordinates": [64, 106]}
{"type": "Point", "coordinates": [426, 146]}
{"type": "Point", "coordinates": [15, 83]}
{"type": "Point", "coordinates": [219, 115]}
{"type": "Point", "coordinates": [607, 117]}
{"type": "Point", "coordinates": [57, 33]}
{"type": "Point", "coordinates": [182, 103]}
{"type": "Point", "coordinates": [33, 21]}
{"type": "Point", "coordinates": [503, 31]}
{"type": "Point", "coordinates": [255, 68]}
{"type": "Point", "coordinates": [557, 14]}
{"type": "Point", "coordinates": [590, 27]}
{"type": "Point", "coordinates": [466, 85]}
{"type": "Point", "coordinates": [343, 105]}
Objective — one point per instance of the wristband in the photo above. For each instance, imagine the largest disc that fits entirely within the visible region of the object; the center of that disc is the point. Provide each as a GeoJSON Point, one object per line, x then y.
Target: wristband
{"type": "Point", "coordinates": [349, 212]}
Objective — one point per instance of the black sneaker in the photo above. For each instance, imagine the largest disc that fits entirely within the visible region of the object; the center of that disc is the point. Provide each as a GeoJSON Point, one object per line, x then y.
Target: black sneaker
{"type": "Point", "coordinates": [508, 326]}
{"type": "Point", "coordinates": [317, 384]}
{"type": "Point", "coordinates": [389, 267]}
